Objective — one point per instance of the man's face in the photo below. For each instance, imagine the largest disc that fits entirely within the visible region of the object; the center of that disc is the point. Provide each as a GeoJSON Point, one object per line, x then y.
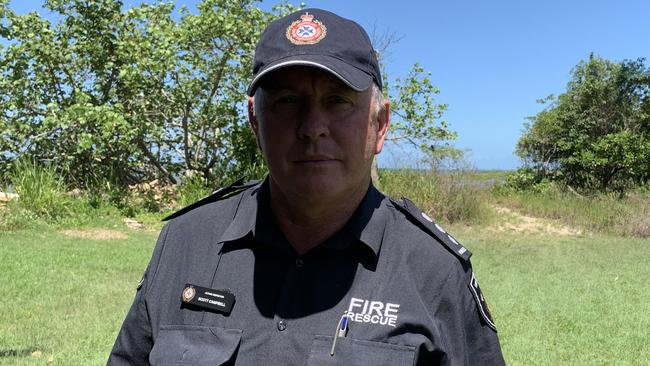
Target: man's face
{"type": "Point", "coordinates": [317, 135]}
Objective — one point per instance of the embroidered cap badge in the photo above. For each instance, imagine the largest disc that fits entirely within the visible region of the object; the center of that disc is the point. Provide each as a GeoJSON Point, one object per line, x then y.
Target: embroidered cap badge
{"type": "Point", "coordinates": [306, 30]}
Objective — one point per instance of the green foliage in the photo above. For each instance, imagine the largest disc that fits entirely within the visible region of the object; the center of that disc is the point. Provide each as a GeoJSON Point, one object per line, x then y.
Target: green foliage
{"type": "Point", "coordinates": [417, 119]}
{"type": "Point", "coordinates": [603, 213]}
{"type": "Point", "coordinates": [44, 199]}
{"type": "Point", "coordinates": [127, 96]}
{"type": "Point", "coordinates": [192, 189]}
{"type": "Point", "coordinates": [42, 192]}
{"type": "Point", "coordinates": [445, 196]}
{"type": "Point", "coordinates": [596, 135]}
{"type": "Point", "coordinates": [526, 179]}
{"type": "Point", "coordinates": [132, 94]}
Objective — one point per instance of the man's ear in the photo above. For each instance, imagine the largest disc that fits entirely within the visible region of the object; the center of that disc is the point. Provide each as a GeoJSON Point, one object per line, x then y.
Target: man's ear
{"type": "Point", "coordinates": [383, 122]}
{"type": "Point", "coordinates": [252, 119]}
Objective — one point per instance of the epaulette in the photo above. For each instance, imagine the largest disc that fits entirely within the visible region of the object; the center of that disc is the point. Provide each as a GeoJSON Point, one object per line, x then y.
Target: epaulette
{"type": "Point", "coordinates": [217, 195]}
{"type": "Point", "coordinates": [426, 223]}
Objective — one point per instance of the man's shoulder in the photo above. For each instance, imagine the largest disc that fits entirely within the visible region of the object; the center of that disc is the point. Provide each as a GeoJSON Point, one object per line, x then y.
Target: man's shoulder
{"type": "Point", "coordinates": [418, 230]}
{"type": "Point", "coordinates": [216, 201]}
{"type": "Point", "coordinates": [201, 223]}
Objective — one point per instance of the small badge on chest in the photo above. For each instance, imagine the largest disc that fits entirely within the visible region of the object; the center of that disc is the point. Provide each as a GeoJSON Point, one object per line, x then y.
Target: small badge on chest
{"type": "Point", "coordinates": [207, 298]}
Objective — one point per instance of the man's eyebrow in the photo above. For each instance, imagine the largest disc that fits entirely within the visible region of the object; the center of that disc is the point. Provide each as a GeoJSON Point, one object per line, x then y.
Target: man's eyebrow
{"type": "Point", "coordinates": [342, 89]}
{"type": "Point", "coordinates": [270, 90]}
{"type": "Point", "coordinates": [276, 89]}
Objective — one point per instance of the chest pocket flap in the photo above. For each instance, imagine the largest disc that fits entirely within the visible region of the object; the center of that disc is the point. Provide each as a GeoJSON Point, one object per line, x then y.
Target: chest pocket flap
{"type": "Point", "coordinates": [356, 352]}
{"type": "Point", "coordinates": [194, 345]}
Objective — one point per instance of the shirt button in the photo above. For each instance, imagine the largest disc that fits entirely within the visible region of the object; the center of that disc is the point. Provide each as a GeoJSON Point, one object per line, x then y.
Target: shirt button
{"type": "Point", "coordinates": [299, 263]}
{"type": "Point", "coordinates": [282, 325]}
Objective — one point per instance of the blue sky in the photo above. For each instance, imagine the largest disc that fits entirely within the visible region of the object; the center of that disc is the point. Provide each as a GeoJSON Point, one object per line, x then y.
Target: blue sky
{"type": "Point", "coordinates": [491, 59]}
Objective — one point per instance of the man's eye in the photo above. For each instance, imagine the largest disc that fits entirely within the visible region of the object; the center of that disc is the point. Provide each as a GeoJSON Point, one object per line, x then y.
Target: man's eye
{"type": "Point", "coordinates": [287, 99]}
{"type": "Point", "coordinates": [337, 99]}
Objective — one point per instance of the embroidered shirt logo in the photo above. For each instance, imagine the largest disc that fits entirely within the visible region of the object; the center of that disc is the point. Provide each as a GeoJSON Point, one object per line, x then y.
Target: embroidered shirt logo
{"type": "Point", "coordinates": [306, 30]}
{"type": "Point", "coordinates": [482, 305]}
{"type": "Point", "coordinates": [373, 312]}
{"type": "Point", "coordinates": [188, 293]}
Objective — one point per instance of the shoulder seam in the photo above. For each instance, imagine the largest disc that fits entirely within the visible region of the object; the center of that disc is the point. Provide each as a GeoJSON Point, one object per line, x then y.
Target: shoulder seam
{"type": "Point", "coordinates": [163, 241]}
{"type": "Point", "coordinates": [424, 222]}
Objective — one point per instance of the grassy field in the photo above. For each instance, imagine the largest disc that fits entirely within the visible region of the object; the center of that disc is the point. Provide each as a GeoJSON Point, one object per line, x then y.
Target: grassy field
{"type": "Point", "coordinates": [62, 297]}
{"type": "Point", "coordinates": [557, 300]}
{"type": "Point", "coordinates": [566, 300]}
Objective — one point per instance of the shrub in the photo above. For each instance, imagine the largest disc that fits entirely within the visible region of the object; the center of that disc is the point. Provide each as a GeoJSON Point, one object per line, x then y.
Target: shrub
{"type": "Point", "coordinates": [41, 189]}
{"type": "Point", "coordinates": [192, 189]}
{"type": "Point", "coordinates": [14, 217]}
{"type": "Point", "coordinates": [449, 196]}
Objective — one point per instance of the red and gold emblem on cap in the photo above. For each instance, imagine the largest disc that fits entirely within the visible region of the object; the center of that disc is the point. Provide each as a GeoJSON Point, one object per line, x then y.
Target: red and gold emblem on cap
{"type": "Point", "coordinates": [306, 30]}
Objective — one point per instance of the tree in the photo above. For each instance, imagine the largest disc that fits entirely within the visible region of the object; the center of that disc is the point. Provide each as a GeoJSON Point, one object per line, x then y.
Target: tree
{"type": "Point", "coordinates": [596, 135]}
{"type": "Point", "coordinates": [104, 93]}
{"type": "Point", "coordinates": [417, 119]}
{"type": "Point", "coordinates": [130, 95]}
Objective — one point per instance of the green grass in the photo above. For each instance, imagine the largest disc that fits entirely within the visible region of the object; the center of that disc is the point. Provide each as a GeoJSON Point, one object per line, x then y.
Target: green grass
{"type": "Point", "coordinates": [65, 297]}
{"type": "Point", "coordinates": [628, 216]}
{"type": "Point", "coordinates": [556, 300]}
{"type": "Point", "coordinates": [450, 197]}
{"type": "Point", "coordinates": [566, 300]}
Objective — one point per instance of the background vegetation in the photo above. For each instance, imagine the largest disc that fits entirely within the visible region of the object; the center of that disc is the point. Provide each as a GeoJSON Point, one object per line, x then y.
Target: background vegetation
{"type": "Point", "coordinates": [110, 97]}
{"type": "Point", "coordinates": [596, 135]}
{"type": "Point", "coordinates": [126, 96]}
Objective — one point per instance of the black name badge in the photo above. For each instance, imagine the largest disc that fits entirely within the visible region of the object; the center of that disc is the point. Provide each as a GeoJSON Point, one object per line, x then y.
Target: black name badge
{"type": "Point", "coordinates": [219, 300]}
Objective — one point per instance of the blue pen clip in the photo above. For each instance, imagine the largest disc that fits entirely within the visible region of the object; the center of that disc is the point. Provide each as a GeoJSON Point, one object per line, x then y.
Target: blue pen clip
{"type": "Point", "coordinates": [341, 330]}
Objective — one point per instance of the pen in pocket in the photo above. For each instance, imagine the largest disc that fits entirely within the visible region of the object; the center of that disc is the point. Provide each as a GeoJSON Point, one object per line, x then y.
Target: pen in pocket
{"type": "Point", "coordinates": [341, 330]}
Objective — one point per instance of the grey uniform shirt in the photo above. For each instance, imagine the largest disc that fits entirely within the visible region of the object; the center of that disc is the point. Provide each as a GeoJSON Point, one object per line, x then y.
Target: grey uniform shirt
{"type": "Point", "coordinates": [411, 299]}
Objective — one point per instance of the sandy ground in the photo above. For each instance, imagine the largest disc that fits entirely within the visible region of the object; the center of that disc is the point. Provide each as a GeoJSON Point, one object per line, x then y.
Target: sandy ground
{"type": "Point", "coordinates": [527, 224]}
{"type": "Point", "coordinates": [94, 234]}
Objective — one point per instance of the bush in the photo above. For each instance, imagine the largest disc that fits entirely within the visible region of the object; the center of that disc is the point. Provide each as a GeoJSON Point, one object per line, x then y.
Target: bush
{"type": "Point", "coordinates": [42, 191]}
{"type": "Point", "coordinates": [14, 217]}
{"type": "Point", "coordinates": [192, 189]}
{"type": "Point", "coordinates": [527, 179]}
{"type": "Point", "coordinates": [44, 199]}
{"type": "Point", "coordinates": [448, 196]}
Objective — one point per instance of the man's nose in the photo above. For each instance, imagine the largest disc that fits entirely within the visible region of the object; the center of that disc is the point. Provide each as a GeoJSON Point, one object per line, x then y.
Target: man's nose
{"type": "Point", "coordinates": [313, 123]}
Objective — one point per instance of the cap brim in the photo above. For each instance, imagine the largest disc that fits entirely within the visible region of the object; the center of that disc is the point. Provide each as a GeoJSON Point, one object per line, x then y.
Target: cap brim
{"type": "Point", "coordinates": [350, 75]}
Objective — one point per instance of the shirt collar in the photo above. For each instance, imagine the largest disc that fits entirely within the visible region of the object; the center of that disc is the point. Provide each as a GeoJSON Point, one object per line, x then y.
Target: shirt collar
{"type": "Point", "coordinates": [243, 221]}
{"type": "Point", "coordinates": [367, 224]}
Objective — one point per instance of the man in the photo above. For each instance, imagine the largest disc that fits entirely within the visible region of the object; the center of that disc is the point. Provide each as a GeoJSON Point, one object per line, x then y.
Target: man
{"type": "Point", "coordinates": [313, 266]}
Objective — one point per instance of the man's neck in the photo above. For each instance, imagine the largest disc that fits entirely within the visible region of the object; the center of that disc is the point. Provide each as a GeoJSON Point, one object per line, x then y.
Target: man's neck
{"type": "Point", "coordinates": [307, 224]}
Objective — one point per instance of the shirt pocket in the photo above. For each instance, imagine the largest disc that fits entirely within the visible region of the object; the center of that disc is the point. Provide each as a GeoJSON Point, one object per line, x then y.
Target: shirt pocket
{"type": "Point", "coordinates": [356, 352]}
{"type": "Point", "coordinates": [194, 345]}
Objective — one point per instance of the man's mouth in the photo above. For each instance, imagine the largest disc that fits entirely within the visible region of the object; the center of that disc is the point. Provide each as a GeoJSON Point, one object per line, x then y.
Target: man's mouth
{"type": "Point", "coordinates": [315, 159]}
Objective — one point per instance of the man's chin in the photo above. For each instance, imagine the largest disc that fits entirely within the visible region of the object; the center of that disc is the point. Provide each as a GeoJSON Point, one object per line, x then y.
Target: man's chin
{"type": "Point", "coordinates": [316, 188]}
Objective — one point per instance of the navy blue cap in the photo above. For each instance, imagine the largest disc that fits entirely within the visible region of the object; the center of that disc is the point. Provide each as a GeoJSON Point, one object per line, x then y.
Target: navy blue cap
{"type": "Point", "coordinates": [320, 39]}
